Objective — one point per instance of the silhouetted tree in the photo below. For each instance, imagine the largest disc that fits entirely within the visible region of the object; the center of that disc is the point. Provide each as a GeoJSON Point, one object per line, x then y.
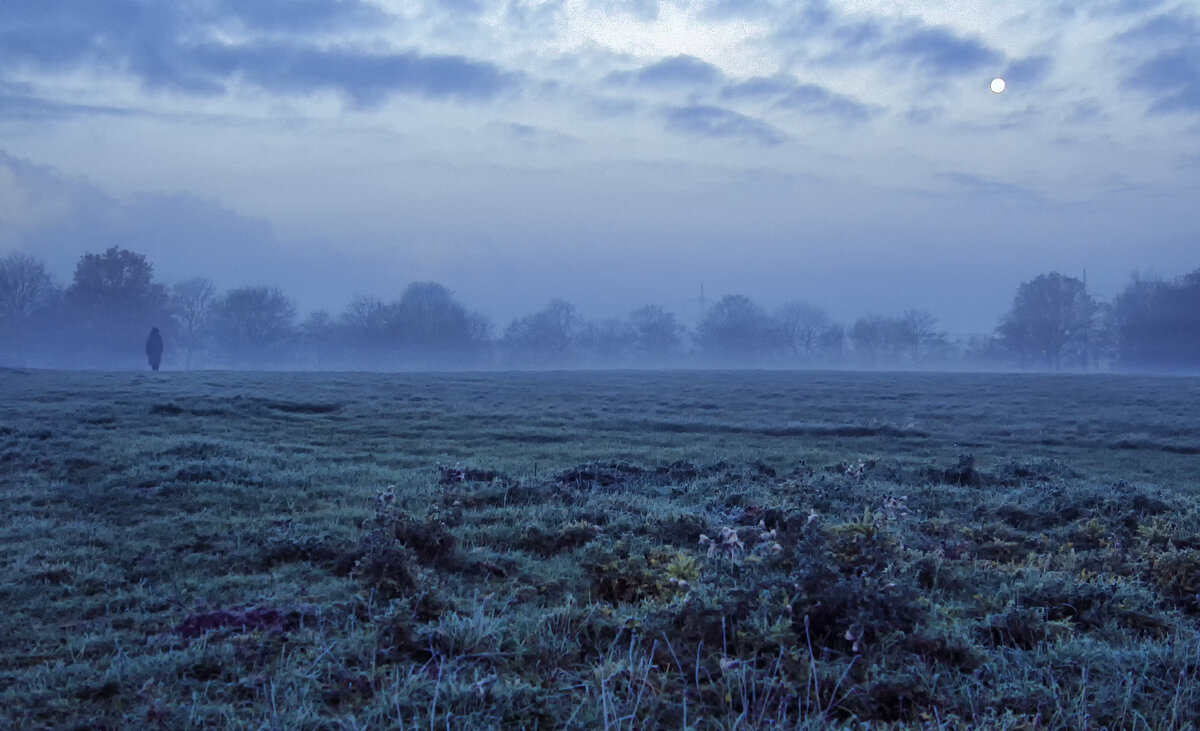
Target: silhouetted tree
{"type": "Point", "coordinates": [801, 325]}
{"type": "Point", "coordinates": [433, 326]}
{"type": "Point", "coordinates": [1051, 322]}
{"type": "Point", "coordinates": [192, 302]}
{"type": "Point", "coordinates": [111, 302]}
{"type": "Point", "coordinates": [736, 330]}
{"type": "Point", "coordinates": [1156, 324]}
{"type": "Point", "coordinates": [253, 325]}
{"type": "Point", "coordinates": [656, 334]}
{"type": "Point", "coordinates": [28, 296]}
{"type": "Point", "coordinates": [547, 337]}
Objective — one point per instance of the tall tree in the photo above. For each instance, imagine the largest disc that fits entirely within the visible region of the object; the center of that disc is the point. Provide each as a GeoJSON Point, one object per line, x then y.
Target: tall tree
{"type": "Point", "coordinates": [27, 296]}
{"type": "Point", "coordinates": [253, 325]}
{"type": "Point", "coordinates": [1051, 324]}
{"type": "Point", "coordinates": [432, 323]}
{"type": "Point", "coordinates": [1156, 323]}
{"type": "Point", "coordinates": [113, 302]}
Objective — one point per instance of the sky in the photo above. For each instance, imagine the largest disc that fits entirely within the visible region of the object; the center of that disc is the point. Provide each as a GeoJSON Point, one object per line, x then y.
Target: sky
{"type": "Point", "coordinates": [613, 154]}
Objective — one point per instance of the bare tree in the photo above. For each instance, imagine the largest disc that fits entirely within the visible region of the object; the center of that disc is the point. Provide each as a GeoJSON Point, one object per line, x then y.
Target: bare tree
{"type": "Point", "coordinates": [920, 336]}
{"type": "Point", "coordinates": [27, 293]}
{"type": "Point", "coordinates": [254, 324]}
{"type": "Point", "coordinates": [801, 324]}
{"type": "Point", "coordinates": [192, 304]}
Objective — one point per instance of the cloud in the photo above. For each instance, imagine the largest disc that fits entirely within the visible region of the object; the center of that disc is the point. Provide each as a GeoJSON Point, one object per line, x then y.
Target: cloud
{"type": "Point", "coordinates": [719, 123]}
{"type": "Point", "coordinates": [1028, 71]}
{"type": "Point", "coordinates": [679, 71]}
{"type": "Point", "coordinates": [18, 102]}
{"type": "Point", "coordinates": [298, 15]}
{"type": "Point", "coordinates": [57, 219]}
{"type": "Point", "coordinates": [831, 37]}
{"type": "Point", "coordinates": [816, 99]}
{"type": "Point", "coordinates": [366, 79]}
{"type": "Point", "coordinates": [178, 47]}
{"type": "Point", "coordinates": [532, 136]}
{"type": "Point", "coordinates": [981, 187]}
{"type": "Point", "coordinates": [461, 7]}
{"type": "Point", "coordinates": [531, 15]}
{"type": "Point", "coordinates": [1173, 77]}
{"type": "Point", "coordinates": [1171, 71]}
{"type": "Point", "coordinates": [759, 87]}
{"type": "Point", "coordinates": [741, 8]}
{"type": "Point", "coordinates": [807, 98]}
{"type": "Point", "coordinates": [940, 51]}
{"type": "Point", "coordinates": [1166, 29]}
{"type": "Point", "coordinates": [644, 9]}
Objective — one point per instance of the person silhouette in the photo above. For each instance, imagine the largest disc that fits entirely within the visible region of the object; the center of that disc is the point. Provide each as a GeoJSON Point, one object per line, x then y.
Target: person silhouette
{"type": "Point", "coordinates": [154, 348]}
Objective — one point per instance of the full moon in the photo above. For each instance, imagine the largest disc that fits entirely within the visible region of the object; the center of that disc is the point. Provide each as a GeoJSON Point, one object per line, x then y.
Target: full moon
{"type": "Point", "coordinates": [997, 86]}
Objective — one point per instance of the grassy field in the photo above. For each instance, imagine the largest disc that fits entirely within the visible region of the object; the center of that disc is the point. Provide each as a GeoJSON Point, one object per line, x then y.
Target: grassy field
{"type": "Point", "coordinates": [604, 550]}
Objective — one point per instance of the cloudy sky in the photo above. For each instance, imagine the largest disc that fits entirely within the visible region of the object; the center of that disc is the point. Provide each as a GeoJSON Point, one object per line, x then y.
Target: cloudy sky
{"type": "Point", "coordinates": [614, 153]}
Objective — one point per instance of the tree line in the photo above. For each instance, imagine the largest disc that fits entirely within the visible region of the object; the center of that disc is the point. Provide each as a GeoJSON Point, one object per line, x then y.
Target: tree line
{"type": "Point", "coordinates": [101, 318]}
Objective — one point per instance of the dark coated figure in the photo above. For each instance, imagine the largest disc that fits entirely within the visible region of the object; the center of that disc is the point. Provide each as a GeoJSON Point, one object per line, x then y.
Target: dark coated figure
{"type": "Point", "coordinates": [154, 348]}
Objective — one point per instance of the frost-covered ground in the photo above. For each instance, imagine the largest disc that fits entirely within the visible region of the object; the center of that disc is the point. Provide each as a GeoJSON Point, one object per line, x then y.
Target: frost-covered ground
{"type": "Point", "coordinates": [615, 549]}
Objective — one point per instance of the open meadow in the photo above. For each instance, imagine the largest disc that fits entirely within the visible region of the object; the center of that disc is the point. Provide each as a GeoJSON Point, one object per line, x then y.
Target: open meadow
{"type": "Point", "coordinates": [632, 550]}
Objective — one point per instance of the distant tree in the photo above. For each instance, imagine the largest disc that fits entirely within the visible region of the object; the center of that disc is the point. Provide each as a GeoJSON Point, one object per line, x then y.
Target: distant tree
{"type": "Point", "coordinates": [548, 337]}
{"type": "Point", "coordinates": [112, 302]}
{"type": "Point", "coordinates": [655, 333]}
{"type": "Point", "coordinates": [319, 335]}
{"type": "Point", "coordinates": [28, 296]}
{"type": "Point", "coordinates": [1156, 324]}
{"type": "Point", "coordinates": [433, 325]}
{"type": "Point", "coordinates": [735, 329]}
{"type": "Point", "coordinates": [919, 337]}
{"type": "Point", "coordinates": [192, 303]}
{"type": "Point", "coordinates": [253, 325]}
{"type": "Point", "coordinates": [607, 342]}
{"type": "Point", "coordinates": [801, 325]}
{"type": "Point", "coordinates": [982, 351]}
{"type": "Point", "coordinates": [370, 332]}
{"type": "Point", "coordinates": [876, 339]}
{"type": "Point", "coordinates": [1052, 323]}
{"type": "Point", "coordinates": [831, 343]}
{"type": "Point", "coordinates": [480, 328]}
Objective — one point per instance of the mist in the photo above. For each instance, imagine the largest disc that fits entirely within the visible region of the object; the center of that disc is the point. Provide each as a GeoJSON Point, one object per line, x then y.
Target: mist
{"type": "Point", "coordinates": [610, 158]}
